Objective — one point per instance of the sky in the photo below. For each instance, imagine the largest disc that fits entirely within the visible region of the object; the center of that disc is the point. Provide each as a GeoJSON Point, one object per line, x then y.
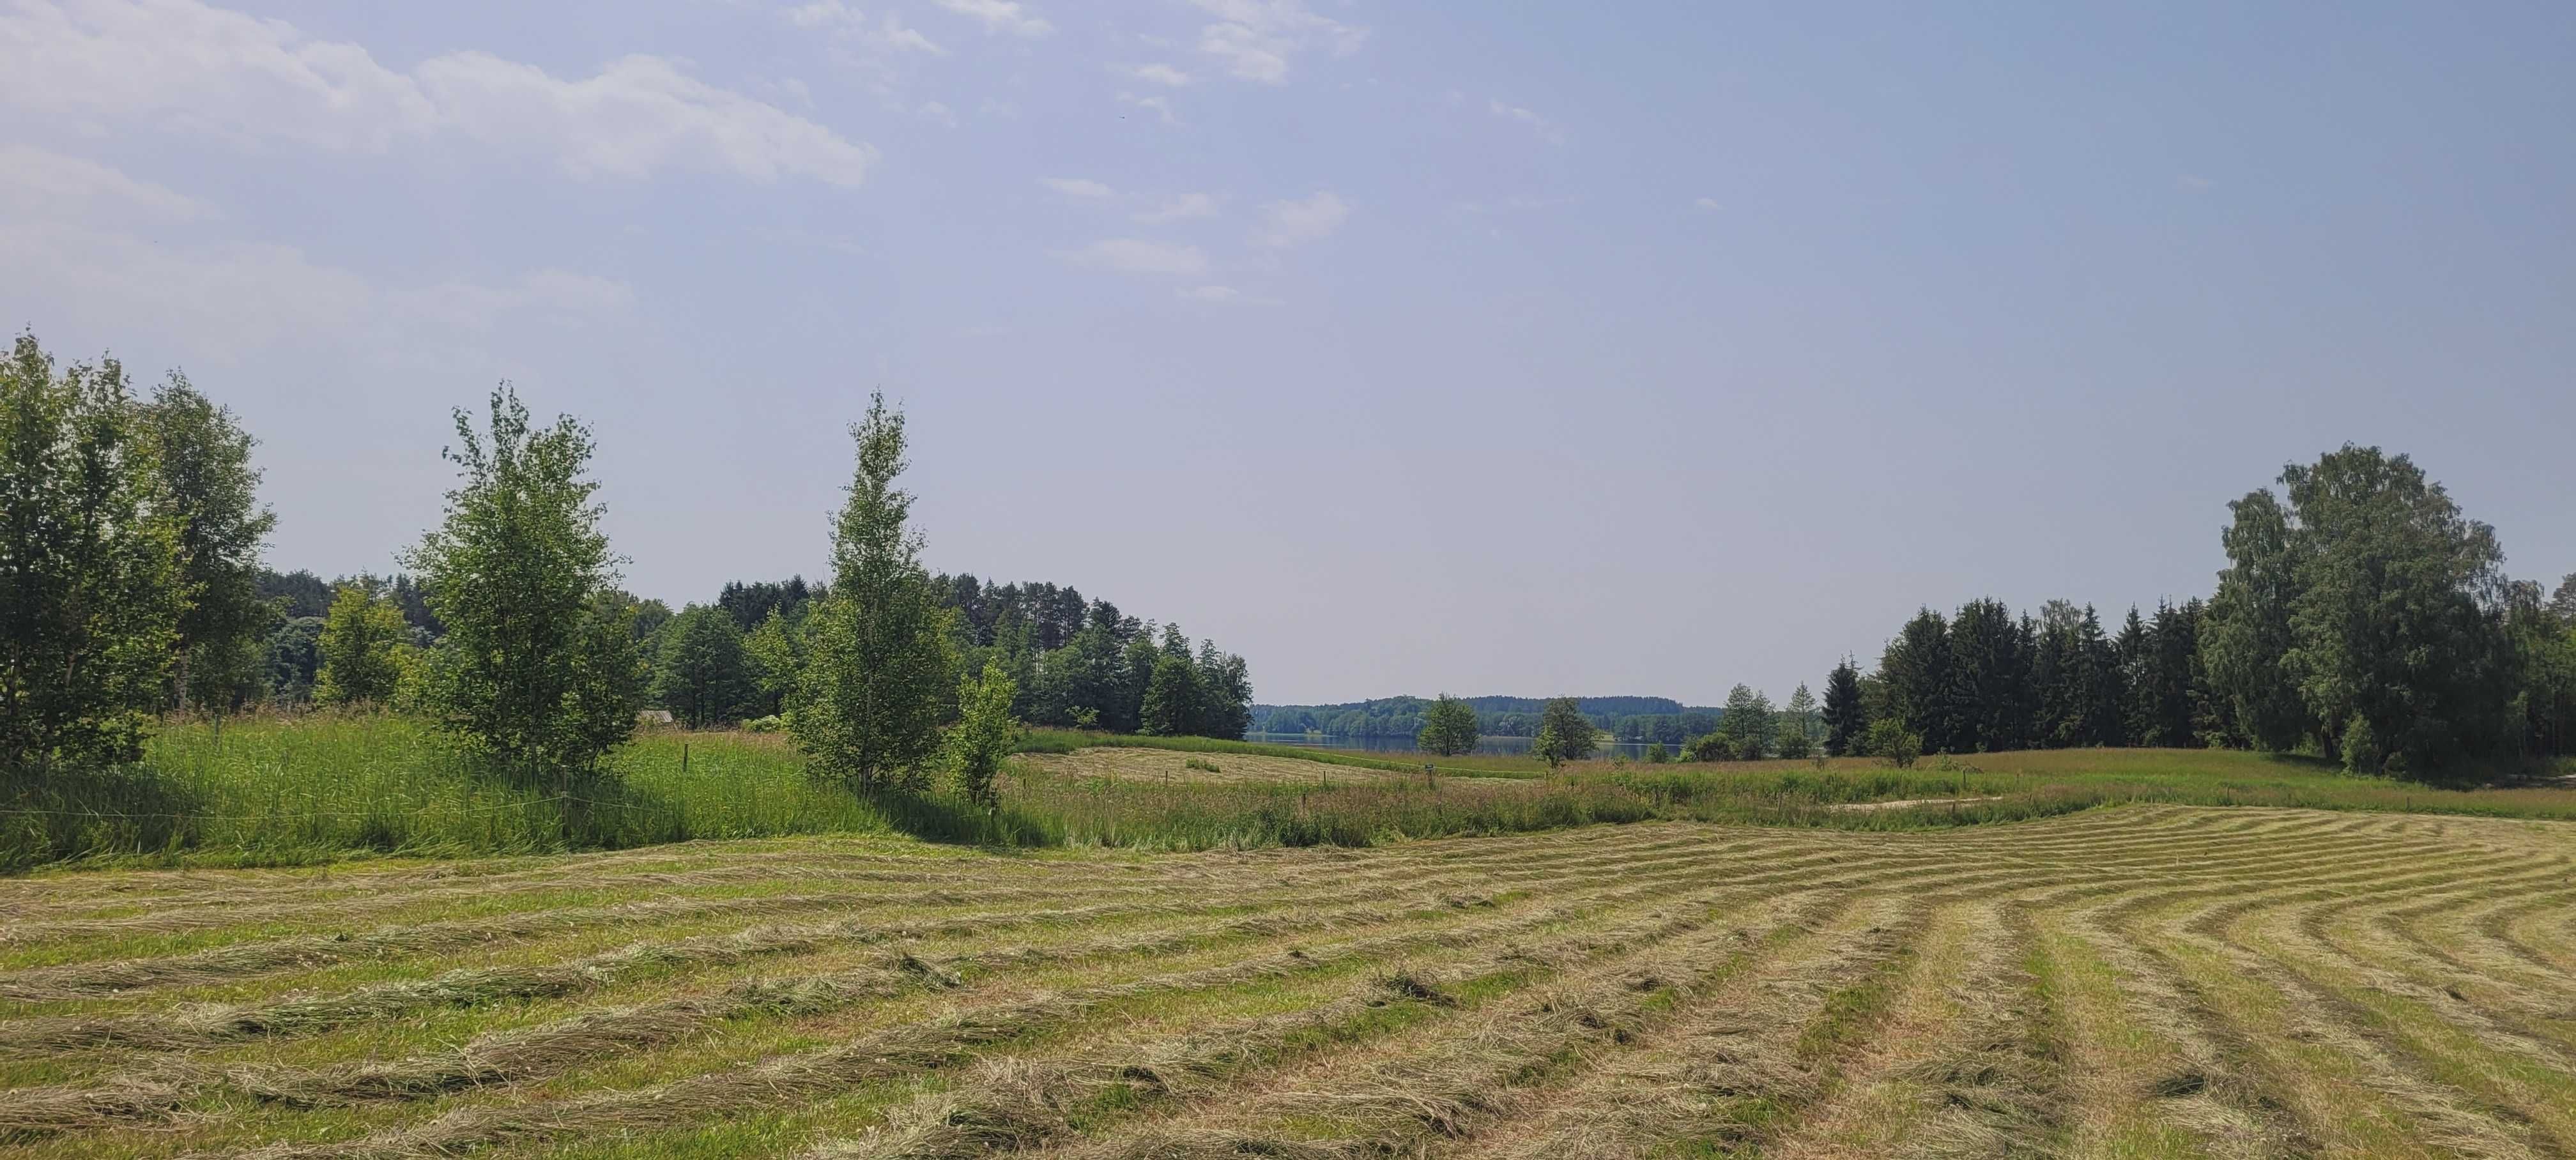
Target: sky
{"type": "Point", "coordinates": [1492, 347]}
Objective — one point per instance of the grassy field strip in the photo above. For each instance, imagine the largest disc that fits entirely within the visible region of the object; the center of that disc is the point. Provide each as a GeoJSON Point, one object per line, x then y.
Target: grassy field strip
{"type": "Point", "coordinates": [2137, 1073]}
{"type": "Point", "coordinates": [1735, 890]}
{"type": "Point", "coordinates": [1023, 1104]}
{"type": "Point", "coordinates": [2346, 1093]}
{"type": "Point", "coordinates": [118, 934]}
{"type": "Point", "coordinates": [2503, 1070]}
{"type": "Point", "coordinates": [1392, 1096]}
{"type": "Point", "coordinates": [1461, 1081]}
{"type": "Point", "coordinates": [234, 960]}
{"type": "Point", "coordinates": [2448, 931]}
{"type": "Point", "coordinates": [906, 1049]}
{"type": "Point", "coordinates": [1911, 1088]}
{"type": "Point", "coordinates": [314, 1014]}
{"type": "Point", "coordinates": [2536, 1005]}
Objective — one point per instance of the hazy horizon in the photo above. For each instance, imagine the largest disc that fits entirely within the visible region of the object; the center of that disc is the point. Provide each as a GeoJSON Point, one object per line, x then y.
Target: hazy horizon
{"type": "Point", "coordinates": [1400, 350]}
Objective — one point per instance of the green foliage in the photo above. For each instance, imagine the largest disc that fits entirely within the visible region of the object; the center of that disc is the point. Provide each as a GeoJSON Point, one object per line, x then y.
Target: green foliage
{"type": "Point", "coordinates": [538, 672]}
{"type": "Point", "coordinates": [1448, 727]}
{"type": "Point", "coordinates": [90, 589]}
{"type": "Point", "coordinates": [1794, 743]}
{"type": "Point", "coordinates": [1172, 699]}
{"type": "Point", "coordinates": [775, 654]}
{"type": "Point", "coordinates": [1656, 754]}
{"type": "Point", "coordinates": [1564, 733]}
{"type": "Point", "coordinates": [1892, 742]}
{"type": "Point", "coordinates": [362, 648]}
{"type": "Point", "coordinates": [1747, 727]}
{"type": "Point", "coordinates": [701, 674]}
{"type": "Point", "coordinates": [1846, 722]}
{"type": "Point", "coordinates": [880, 673]}
{"type": "Point", "coordinates": [985, 733]}
{"type": "Point", "coordinates": [203, 458]}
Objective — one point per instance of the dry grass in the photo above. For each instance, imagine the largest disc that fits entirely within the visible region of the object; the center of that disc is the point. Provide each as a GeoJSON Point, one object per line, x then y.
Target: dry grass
{"type": "Point", "coordinates": [2140, 982]}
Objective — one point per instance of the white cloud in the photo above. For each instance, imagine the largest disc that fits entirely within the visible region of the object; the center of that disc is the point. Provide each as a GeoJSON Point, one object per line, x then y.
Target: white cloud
{"type": "Point", "coordinates": [1212, 294]}
{"type": "Point", "coordinates": [39, 183]}
{"type": "Point", "coordinates": [1256, 39]}
{"type": "Point", "coordinates": [1160, 104]}
{"type": "Point", "coordinates": [203, 71]}
{"type": "Point", "coordinates": [1140, 256]}
{"type": "Point", "coordinates": [1708, 203]}
{"type": "Point", "coordinates": [1001, 16]}
{"type": "Point", "coordinates": [1160, 74]}
{"type": "Point", "coordinates": [934, 111]}
{"type": "Point", "coordinates": [825, 14]}
{"type": "Point", "coordinates": [1077, 187]}
{"type": "Point", "coordinates": [1289, 223]}
{"type": "Point", "coordinates": [1547, 130]}
{"type": "Point", "coordinates": [1187, 205]}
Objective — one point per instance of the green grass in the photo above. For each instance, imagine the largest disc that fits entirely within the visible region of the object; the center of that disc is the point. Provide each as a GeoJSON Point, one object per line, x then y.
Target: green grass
{"type": "Point", "coordinates": [319, 787]}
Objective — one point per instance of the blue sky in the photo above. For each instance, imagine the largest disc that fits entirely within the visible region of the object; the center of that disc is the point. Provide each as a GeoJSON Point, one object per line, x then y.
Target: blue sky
{"type": "Point", "coordinates": [1638, 348]}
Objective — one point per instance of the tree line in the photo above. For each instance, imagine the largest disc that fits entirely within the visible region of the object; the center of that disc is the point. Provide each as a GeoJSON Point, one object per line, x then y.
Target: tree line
{"type": "Point", "coordinates": [1625, 718]}
{"type": "Point", "coordinates": [2361, 618]}
{"type": "Point", "coordinates": [131, 585]}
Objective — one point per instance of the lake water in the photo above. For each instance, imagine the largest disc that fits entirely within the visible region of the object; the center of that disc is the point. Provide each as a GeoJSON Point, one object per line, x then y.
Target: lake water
{"type": "Point", "coordinates": [1508, 746]}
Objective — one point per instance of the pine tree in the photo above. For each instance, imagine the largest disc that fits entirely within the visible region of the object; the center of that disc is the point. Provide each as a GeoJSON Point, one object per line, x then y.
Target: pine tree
{"type": "Point", "coordinates": [1846, 723]}
{"type": "Point", "coordinates": [880, 671]}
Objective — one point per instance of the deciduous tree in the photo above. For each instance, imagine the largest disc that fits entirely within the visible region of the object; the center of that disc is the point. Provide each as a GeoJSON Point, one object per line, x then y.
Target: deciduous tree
{"type": "Point", "coordinates": [1448, 727]}
{"type": "Point", "coordinates": [211, 490]}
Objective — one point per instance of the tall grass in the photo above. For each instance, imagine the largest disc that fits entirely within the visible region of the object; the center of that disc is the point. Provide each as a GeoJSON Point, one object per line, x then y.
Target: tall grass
{"type": "Point", "coordinates": [288, 790]}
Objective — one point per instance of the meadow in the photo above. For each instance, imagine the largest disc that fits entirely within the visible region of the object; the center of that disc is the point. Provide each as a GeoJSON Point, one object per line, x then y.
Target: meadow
{"type": "Point", "coordinates": [2146, 980]}
{"type": "Point", "coordinates": [315, 788]}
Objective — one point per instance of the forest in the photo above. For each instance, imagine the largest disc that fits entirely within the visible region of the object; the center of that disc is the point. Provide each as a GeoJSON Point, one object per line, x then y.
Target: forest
{"type": "Point", "coordinates": [1624, 718]}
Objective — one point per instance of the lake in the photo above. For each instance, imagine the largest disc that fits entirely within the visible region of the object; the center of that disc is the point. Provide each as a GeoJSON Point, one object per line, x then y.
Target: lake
{"type": "Point", "coordinates": [1505, 746]}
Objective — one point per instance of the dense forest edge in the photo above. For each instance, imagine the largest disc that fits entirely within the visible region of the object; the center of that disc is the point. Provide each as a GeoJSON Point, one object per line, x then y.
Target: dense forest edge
{"type": "Point", "coordinates": [165, 694]}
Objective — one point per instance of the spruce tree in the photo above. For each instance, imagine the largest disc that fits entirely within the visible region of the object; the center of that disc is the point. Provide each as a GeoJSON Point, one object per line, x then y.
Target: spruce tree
{"type": "Point", "coordinates": [880, 672]}
{"type": "Point", "coordinates": [1846, 723]}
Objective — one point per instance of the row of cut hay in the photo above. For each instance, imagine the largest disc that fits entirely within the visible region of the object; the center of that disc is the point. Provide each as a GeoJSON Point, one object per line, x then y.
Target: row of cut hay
{"type": "Point", "coordinates": [916, 1048]}
{"type": "Point", "coordinates": [1464, 1075]}
{"type": "Point", "coordinates": [1020, 1104]}
{"type": "Point", "coordinates": [2306, 1081]}
{"type": "Point", "coordinates": [546, 1049]}
{"type": "Point", "coordinates": [531, 1053]}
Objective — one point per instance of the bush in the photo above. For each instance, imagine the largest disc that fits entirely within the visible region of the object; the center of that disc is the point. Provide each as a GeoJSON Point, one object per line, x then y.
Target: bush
{"type": "Point", "coordinates": [772, 723]}
{"type": "Point", "coordinates": [1655, 754]}
{"type": "Point", "coordinates": [1889, 739]}
{"type": "Point", "coordinates": [1202, 765]}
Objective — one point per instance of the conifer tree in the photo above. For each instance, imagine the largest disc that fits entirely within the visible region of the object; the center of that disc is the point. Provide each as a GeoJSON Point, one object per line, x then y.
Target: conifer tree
{"type": "Point", "coordinates": [1846, 723]}
{"type": "Point", "coordinates": [701, 673]}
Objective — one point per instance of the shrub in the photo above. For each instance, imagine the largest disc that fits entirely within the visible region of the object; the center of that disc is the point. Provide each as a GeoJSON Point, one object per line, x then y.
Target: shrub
{"type": "Point", "coordinates": [1202, 765]}
{"type": "Point", "coordinates": [1889, 739]}
{"type": "Point", "coordinates": [1655, 754]}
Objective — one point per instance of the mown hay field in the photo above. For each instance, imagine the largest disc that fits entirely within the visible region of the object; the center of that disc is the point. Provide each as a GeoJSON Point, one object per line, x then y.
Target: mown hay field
{"type": "Point", "coordinates": [2138, 981]}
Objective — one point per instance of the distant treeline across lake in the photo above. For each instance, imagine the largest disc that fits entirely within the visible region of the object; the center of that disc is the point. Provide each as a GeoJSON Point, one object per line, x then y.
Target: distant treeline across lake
{"type": "Point", "coordinates": [1384, 744]}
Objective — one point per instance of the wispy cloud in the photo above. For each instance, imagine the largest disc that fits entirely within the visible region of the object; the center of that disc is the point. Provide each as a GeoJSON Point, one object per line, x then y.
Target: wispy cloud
{"type": "Point", "coordinates": [1296, 222]}
{"type": "Point", "coordinates": [1708, 203]}
{"type": "Point", "coordinates": [1187, 205]}
{"type": "Point", "coordinates": [1257, 39]}
{"type": "Point", "coordinates": [1158, 74]}
{"type": "Point", "coordinates": [1140, 256]}
{"type": "Point", "coordinates": [219, 75]}
{"type": "Point", "coordinates": [1077, 187]}
{"type": "Point", "coordinates": [1547, 130]}
{"type": "Point", "coordinates": [1001, 16]}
